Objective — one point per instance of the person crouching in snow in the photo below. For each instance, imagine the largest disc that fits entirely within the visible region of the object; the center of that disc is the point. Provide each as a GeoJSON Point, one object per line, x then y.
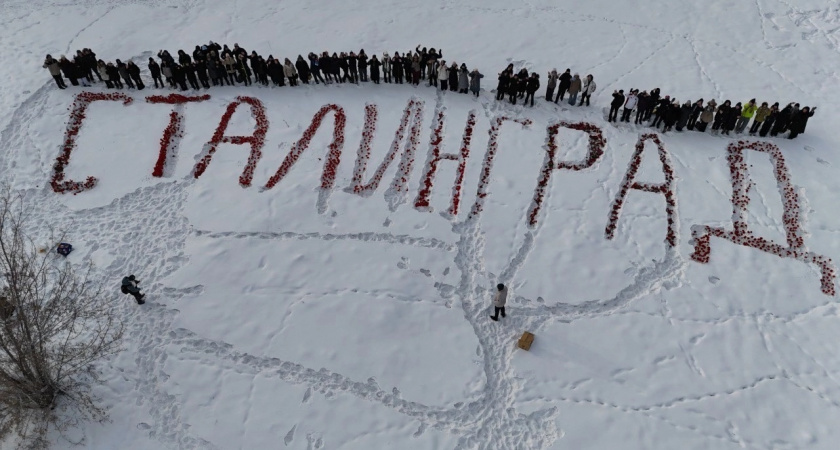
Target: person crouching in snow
{"type": "Point", "coordinates": [130, 286]}
{"type": "Point", "coordinates": [499, 301]}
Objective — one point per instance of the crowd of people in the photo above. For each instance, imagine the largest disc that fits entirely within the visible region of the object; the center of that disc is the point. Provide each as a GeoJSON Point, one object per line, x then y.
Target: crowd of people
{"type": "Point", "coordinates": [218, 65]}
{"type": "Point", "coordinates": [725, 118]}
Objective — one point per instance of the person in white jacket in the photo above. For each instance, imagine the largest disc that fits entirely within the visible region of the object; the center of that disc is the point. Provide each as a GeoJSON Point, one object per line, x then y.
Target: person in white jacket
{"type": "Point", "coordinates": [499, 301]}
{"type": "Point", "coordinates": [443, 75]}
{"type": "Point", "coordinates": [588, 90]}
{"type": "Point", "coordinates": [290, 72]}
{"type": "Point", "coordinates": [629, 105]}
{"type": "Point", "coordinates": [386, 67]}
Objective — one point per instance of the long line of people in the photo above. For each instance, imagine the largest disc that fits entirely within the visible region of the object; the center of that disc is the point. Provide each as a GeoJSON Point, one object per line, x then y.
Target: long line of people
{"type": "Point", "coordinates": [724, 119]}
{"type": "Point", "coordinates": [219, 65]}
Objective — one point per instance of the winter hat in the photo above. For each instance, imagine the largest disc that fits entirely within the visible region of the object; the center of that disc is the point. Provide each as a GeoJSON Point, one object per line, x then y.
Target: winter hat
{"type": "Point", "coordinates": [131, 277]}
{"type": "Point", "coordinates": [499, 286]}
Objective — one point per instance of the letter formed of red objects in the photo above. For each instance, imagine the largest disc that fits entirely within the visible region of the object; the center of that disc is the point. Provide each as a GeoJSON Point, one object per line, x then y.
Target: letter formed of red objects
{"type": "Point", "coordinates": [593, 155]}
{"type": "Point", "coordinates": [78, 112]}
{"type": "Point", "coordinates": [173, 132]}
{"type": "Point", "coordinates": [421, 203]}
{"type": "Point", "coordinates": [742, 235]}
{"type": "Point", "coordinates": [397, 192]}
{"type": "Point", "coordinates": [666, 188]}
{"type": "Point", "coordinates": [333, 157]}
{"type": "Point", "coordinates": [487, 166]}
{"type": "Point", "coordinates": [256, 140]}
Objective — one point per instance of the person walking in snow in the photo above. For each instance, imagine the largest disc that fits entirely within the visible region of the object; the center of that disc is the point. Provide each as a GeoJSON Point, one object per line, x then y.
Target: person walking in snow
{"type": "Point", "coordinates": [531, 87]}
{"type": "Point", "coordinates": [574, 89]}
{"type": "Point", "coordinates": [746, 114]}
{"type": "Point", "coordinates": [130, 285]}
{"type": "Point", "coordinates": [615, 104]}
{"type": "Point", "coordinates": [55, 71]}
{"type": "Point", "coordinates": [588, 90]}
{"type": "Point", "coordinates": [475, 81]}
{"type": "Point", "coordinates": [565, 85]}
{"type": "Point", "coordinates": [551, 84]}
{"type": "Point", "coordinates": [629, 104]}
{"type": "Point", "coordinates": [499, 301]}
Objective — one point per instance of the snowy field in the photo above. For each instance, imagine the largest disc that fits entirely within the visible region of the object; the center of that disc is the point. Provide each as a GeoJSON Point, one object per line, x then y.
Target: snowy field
{"type": "Point", "coordinates": [308, 316]}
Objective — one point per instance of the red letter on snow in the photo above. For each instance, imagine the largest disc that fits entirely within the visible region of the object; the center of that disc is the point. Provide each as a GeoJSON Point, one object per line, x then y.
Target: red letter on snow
{"type": "Point", "coordinates": [742, 235]}
{"type": "Point", "coordinates": [174, 131]}
{"type": "Point", "coordinates": [256, 140]}
{"type": "Point", "coordinates": [77, 116]}
{"type": "Point", "coordinates": [666, 188]}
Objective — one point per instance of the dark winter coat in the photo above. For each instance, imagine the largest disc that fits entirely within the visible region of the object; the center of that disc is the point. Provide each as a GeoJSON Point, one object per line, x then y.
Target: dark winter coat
{"type": "Point", "coordinates": [565, 80]}
{"type": "Point", "coordinates": [799, 121]}
{"type": "Point", "coordinates": [685, 113]}
{"type": "Point", "coordinates": [532, 85]}
{"type": "Point", "coordinates": [618, 100]}
{"type": "Point", "coordinates": [303, 69]}
{"type": "Point", "coordinates": [154, 68]}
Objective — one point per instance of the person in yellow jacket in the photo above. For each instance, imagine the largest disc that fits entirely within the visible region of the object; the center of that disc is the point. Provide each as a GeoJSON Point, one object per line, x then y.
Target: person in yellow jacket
{"type": "Point", "coordinates": [746, 114]}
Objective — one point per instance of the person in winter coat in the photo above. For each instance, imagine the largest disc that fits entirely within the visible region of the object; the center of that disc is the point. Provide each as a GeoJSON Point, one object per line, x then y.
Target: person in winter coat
{"type": "Point", "coordinates": [386, 67]}
{"type": "Point", "coordinates": [574, 89]}
{"type": "Point", "coordinates": [375, 66]}
{"type": "Point", "coordinates": [463, 79]}
{"type": "Point", "coordinates": [670, 114]}
{"type": "Point", "coordinates": [230, 67]}
{"type": "Point", "coordinates": [113, 75]}
{"type": "Point", "coordinates": [721, 114]}
{"type": "Point", "coordinates": [453, 77]}
{"type": "Point", "coordinates": [653, 102]}
{"type": "Point", "coordinates": [189, 71]}
{"type": "Point", "coordinates": [335, 67]}
{"type": "Point", "coordinates": [696, 109]}
{"type": "Point", "coordinates": [565, 85]}
{"type": "Point", "coordinates": [502, 86]}
{"type": "Point", "coordinates": [770, 120]}
{"type": "Point", "coordinates": [707, 116]}
{"type": "Point", "coordinates": [475, 81]}
{"type": "Point", "coordinates": [353, 66]}
{"type": "Point", "coordinates": [154, 68]}
{"type": "Point", "coordinates": [551, 84]}
{"type": "Point", "coordinates": [344, 64]}
{"type": "Point", "coordinates": [588, 90]}
{"type": "Point", "coordinates": [134, 73]}
{"type": "Point", "coordinates": [290, 72]}
{"type": "Point", "coordinates": [746, 114]}
{"type": "Point", "coordinates": [522, 81]}
{"type": "Point", "coordinates": [363, 65]}
{"type": "Point", "coordinates": [183, 58]}
{"type": "Point", "coordinates": [416, 70]}
{"type": "Point", "coordinates": [201, 71]}
{"type": "Point", "coordinates": [661, 111]}
{"type": "Point", "coordinates": [531, 87]}
{"type": "Point", "coordinates": [684, 115]}
{"type": "Point", "coordinates": [782, 119]}
{"type": "Point", "coordinates": [130, 285]}
{"type": "Point", "coordinates": [303, 69]}
{"type": "Point", "coordinates": [55, 71]}
{"type": "Point", "coordinates": [102, 69]}
{"type": "Point", "coordinates": [641, 107]}
{"type": "Point", "coordinates": [799, 121]}
{"type": "Point", "coordinates": [432, 71]}
{"type": "Point", "coordinates": [443, 75]}
{"type": "Point", "coordinates": [275, 71]}
{"type": "Point", "coordinates": [68, 69]}
{"type": "Point", "coordinates": [242, 69]}
{"type": "Point", "coordinates": [629, 104]}
{"type": "Point", "coordinates": [121, 67]}
{"type": "Point", "coordinates": [513, 87]}
{"type": "Point", "coordinates": [166, 70]}
{"type": "Point", "coordinates": [408, 67]}
{"type": "Point", "coordinates": [180, 76]}
{"type": "Point", "coordinates": [315, 68]}
{"type": "Point", "coordinates": [760, 114]}
{"type": "Point", "coordinates": [499, 301]}
{"type": "Point", "coordinates": [397, 68]}
{"type": "Point", "coordinates": [731, 119]}
{"type": "Point", "coordinates": [615, 104]}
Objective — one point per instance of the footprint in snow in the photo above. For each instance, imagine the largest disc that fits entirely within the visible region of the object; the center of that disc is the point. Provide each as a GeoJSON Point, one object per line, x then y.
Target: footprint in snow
{"type": "Point", "coordinates": [822, 161]}
{"type": "Point", "coordinates": [713, 279]}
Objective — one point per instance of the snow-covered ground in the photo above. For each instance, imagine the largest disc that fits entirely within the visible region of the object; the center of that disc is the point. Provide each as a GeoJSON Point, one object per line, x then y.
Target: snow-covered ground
{"type": "Point", "coordinates": [304, 317]}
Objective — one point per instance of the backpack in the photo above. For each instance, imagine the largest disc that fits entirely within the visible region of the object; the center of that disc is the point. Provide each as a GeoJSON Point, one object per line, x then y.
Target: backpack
{"type": "Point", "coordinates": [124, 289]}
